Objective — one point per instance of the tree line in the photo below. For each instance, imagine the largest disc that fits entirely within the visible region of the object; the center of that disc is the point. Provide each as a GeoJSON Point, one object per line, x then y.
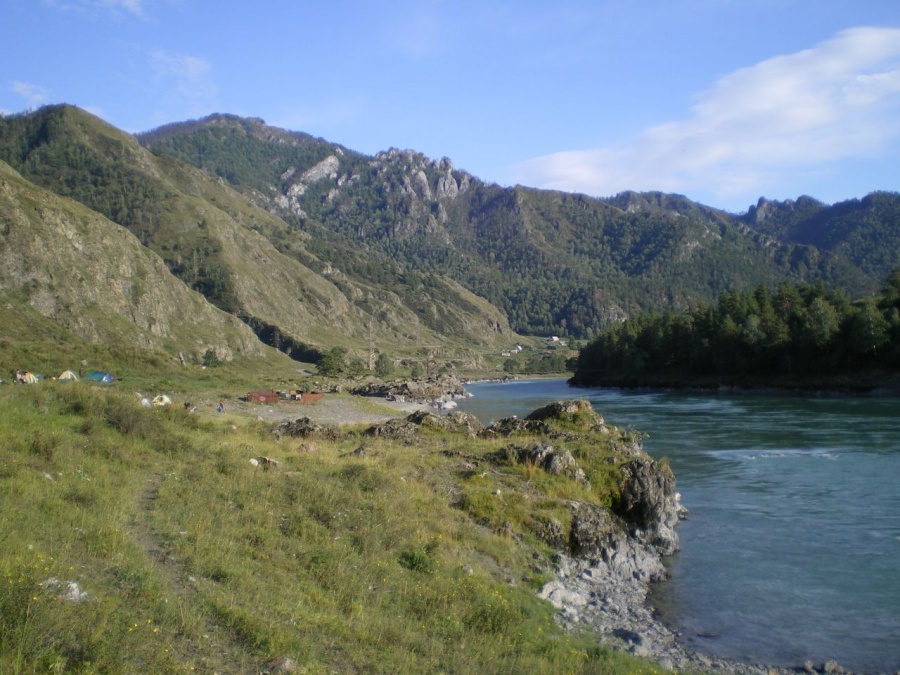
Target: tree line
{"type": "Point", "coordinates": [794, 334]}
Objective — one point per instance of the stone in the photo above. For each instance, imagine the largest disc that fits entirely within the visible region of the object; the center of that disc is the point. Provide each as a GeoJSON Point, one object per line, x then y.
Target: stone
{"type": "Point", "coordinates": [568, 411]}
{"type": "Point", "coordinates": [304, 427]}
{"type": "Point", "coordinates": [648, 503]}
{"type": "Point", "coordinates": [282, 664]}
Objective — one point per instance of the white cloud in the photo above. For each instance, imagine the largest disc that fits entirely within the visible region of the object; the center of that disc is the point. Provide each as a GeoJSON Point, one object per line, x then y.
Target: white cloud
{"type": "Point", "coordinates": [189, 78]}
{"type": "Point", "coordinates": [839, 100]}
{"type": "Point", "coordinates": [135, 7]}
{"type": "Point", "coordinates": [33, 94]}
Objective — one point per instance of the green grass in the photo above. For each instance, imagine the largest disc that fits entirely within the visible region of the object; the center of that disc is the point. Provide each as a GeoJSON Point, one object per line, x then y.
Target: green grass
{"type": "Point", "coordinates": [192, 558]}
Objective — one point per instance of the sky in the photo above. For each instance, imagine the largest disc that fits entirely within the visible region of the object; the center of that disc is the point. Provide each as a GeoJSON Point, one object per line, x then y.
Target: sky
{"type": "Point", "coordinates": [723, 101]}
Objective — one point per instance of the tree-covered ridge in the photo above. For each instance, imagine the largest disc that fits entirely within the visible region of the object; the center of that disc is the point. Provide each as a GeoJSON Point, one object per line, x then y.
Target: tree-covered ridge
{"type": "Point", "coordinates": [555, 263]}
{"type": "Point", "coordinates": [400, 227]}
{"type": "Point", "coordinates": [77, 156]}
{"type": "Point", "coordinates": [795, 334]}
{"type": "Point", "coordinates": [242, 151]}
{"type": "Point", "coordinates": [861, 231]}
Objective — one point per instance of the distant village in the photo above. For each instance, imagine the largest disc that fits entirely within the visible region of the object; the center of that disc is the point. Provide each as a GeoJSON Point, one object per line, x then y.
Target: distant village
{"type": "Point", "coordinates": [553, 340]}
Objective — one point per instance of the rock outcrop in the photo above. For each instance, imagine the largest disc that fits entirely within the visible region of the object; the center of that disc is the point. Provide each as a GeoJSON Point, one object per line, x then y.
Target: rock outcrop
{"type": "Point", "coordinates": [408, 427]}
{"type": "Point", "coordinates": [304, 427]}
{"type": "Point", "coordinates": [612, 555]}
{"type": "Point", "coordinates": [433, 391]}
{"type": "Point", "coordinates": [649, 504]}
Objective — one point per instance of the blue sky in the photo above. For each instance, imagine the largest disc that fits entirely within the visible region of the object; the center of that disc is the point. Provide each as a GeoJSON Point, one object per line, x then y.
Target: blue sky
{"type": "Point", "coordinates": [723, 101]}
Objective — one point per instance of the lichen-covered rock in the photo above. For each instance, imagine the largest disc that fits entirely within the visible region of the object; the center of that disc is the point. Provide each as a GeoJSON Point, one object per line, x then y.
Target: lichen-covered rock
{"type": "Point", "coordinates": [444, 388]}
{"type": "Point", "coordinates": [304, 427]}
{"type": "Point", "coordinates": [513, 425]}
{"type": "Point", "coordinates": [410, 425]}
{"type": "Point", "coordinates": [601, 536]}
{"type": "Point", "coordinates": [555, 461]}
{"type": "Point", "coordinates": [549, 530]}
{"type": "Point", "coordinates": [579, 411]}
{"type": "Point", "coordinates": [649, 504]}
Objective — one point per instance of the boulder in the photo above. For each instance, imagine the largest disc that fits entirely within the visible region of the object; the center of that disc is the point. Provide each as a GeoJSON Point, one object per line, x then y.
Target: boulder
{"type": "Point", "coordinates": [513, 425]}
{"type": "Point", "coordinates": [555, 461]}
{"type": "Point", "coordinates": [649, 504]}
{"type": "Point", "coordinates": [441, 389]}
{"type": "Point", "coordinates": [604, 538]}
{"type": "Point", "coordinates": [580, 412]}
{"type": "Point", "coordinates": [304, 427]}
{"type": "Point", "coordinates": [410, 425]}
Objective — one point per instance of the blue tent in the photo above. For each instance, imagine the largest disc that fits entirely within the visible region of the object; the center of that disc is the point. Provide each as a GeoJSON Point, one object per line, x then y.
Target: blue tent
{"type": "Point", "coordinates": [99, 376]}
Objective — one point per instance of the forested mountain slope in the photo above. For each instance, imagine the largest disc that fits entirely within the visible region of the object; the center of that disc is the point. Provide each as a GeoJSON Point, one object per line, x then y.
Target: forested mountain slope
{"type": "Point", "coordinates": [864, 232]}
{"type": "Point", "coordinates": [554, 262]}
{"type": "Point", "coordinates": [314, 245]}
{"type": "Point", "coordinates": [243, 259]}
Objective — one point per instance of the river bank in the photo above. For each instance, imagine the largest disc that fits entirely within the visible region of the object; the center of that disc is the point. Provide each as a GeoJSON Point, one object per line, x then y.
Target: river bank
{"type": "Point", "coordinates": [770, 569]}
{"type": "Point", "coordinates": [589, 595]}
{"type": "Point", "coordinates": [616, 608]}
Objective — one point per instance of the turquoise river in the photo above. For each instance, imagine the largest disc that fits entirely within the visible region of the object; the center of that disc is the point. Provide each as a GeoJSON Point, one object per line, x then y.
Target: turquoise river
{"type": "Point", "coordinates": [791, 551]}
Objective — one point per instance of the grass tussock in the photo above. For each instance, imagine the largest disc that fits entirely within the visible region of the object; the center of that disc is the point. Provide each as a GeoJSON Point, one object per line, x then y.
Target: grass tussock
{"type": "Point", "coordinates": [144, 540]}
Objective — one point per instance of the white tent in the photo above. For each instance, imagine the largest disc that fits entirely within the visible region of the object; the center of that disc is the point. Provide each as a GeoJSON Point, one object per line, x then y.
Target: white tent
{"type": "Point", "coordinates": [68, 375]}
{"type": "Point", "coordinates": [161, 400]}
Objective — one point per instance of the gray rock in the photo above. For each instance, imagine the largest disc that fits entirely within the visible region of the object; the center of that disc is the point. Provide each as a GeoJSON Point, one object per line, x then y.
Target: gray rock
{"type": "Point", "coordinates": [648, 503]}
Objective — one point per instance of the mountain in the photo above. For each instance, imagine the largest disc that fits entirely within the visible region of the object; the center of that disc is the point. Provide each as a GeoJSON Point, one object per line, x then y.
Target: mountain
{"type": "Point", "coordinates": [864, 232]}
{"type": "Point", "coordinates": [244, 260]}
{"type": "Point", "coordinates": [554, 262]}
{"type": "Point", "coordinates": [313, 245]}
{"type": "Point", "coordinates": [94, 279]}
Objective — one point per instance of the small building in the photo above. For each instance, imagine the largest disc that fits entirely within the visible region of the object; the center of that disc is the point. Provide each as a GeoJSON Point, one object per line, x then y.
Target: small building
{"type": "Point", "coordinates": [262, 396]}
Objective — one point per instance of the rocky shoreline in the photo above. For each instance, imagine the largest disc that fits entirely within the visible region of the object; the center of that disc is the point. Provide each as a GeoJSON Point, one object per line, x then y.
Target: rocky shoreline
{"type": "Point", "coordinates": [594, 596]}
{"type": "Point", "coordinates": [612, 556]}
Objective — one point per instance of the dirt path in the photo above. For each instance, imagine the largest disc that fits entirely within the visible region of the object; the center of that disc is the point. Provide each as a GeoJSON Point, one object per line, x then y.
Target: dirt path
{"type": "Point", "coordinates": [205, 645]}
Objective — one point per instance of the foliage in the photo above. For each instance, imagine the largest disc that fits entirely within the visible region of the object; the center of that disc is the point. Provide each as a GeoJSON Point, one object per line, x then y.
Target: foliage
{"type": "Point", "coordinates": [537, 363]}
{"type": "Point", "coordinates": [186, 556]}
{"type": "Point", "coordinates": [383, 366]}
{"type": "Point", "coordinates": [210, 360]}
{"type": "Point", "coordinates": [333, 362]}
{"type": "Point", "coordinates": [555, 263]}
{"type": "Point", "coordinates": [796, 333]}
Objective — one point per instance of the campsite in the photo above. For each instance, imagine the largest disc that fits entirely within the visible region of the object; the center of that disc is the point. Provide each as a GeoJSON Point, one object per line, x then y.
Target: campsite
{"type": "Point", "coordinates": [27, 377]}
{"type": "Point", "coordinates": [156, 539]}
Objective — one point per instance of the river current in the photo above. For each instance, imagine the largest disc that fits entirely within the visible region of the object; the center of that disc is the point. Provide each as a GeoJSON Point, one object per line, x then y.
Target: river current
{"type": "Point", "coordinates": [791, 551]}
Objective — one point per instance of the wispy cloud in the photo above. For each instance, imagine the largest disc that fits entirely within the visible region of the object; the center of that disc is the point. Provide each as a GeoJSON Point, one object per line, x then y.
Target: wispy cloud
{"type": "Point", "coordinates": [188, 77]}
{"type": "Point", "coordinates": [135, 7]}
{"type": "Point", "coordinates": [836, 101]}
{"type": "Point", "coordinates": [33, 94]}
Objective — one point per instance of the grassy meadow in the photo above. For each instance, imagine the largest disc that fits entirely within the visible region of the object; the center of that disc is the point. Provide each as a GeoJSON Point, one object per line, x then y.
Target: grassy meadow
{"type": "Point", "coordinates": [143, 540]}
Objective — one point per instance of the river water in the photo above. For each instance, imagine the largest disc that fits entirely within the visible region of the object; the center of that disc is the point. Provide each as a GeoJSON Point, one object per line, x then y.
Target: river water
{"type": "Point", "coordinates": [791, 551]}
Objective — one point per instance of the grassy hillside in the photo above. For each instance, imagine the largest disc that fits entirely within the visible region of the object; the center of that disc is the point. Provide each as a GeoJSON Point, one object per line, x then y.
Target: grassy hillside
{"type": "Point", "coordinates": [242, 258]}
{"type": "Point", "coordinates": [95, 280]}
{"type": "Point", "coordinates": [144, 540]}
